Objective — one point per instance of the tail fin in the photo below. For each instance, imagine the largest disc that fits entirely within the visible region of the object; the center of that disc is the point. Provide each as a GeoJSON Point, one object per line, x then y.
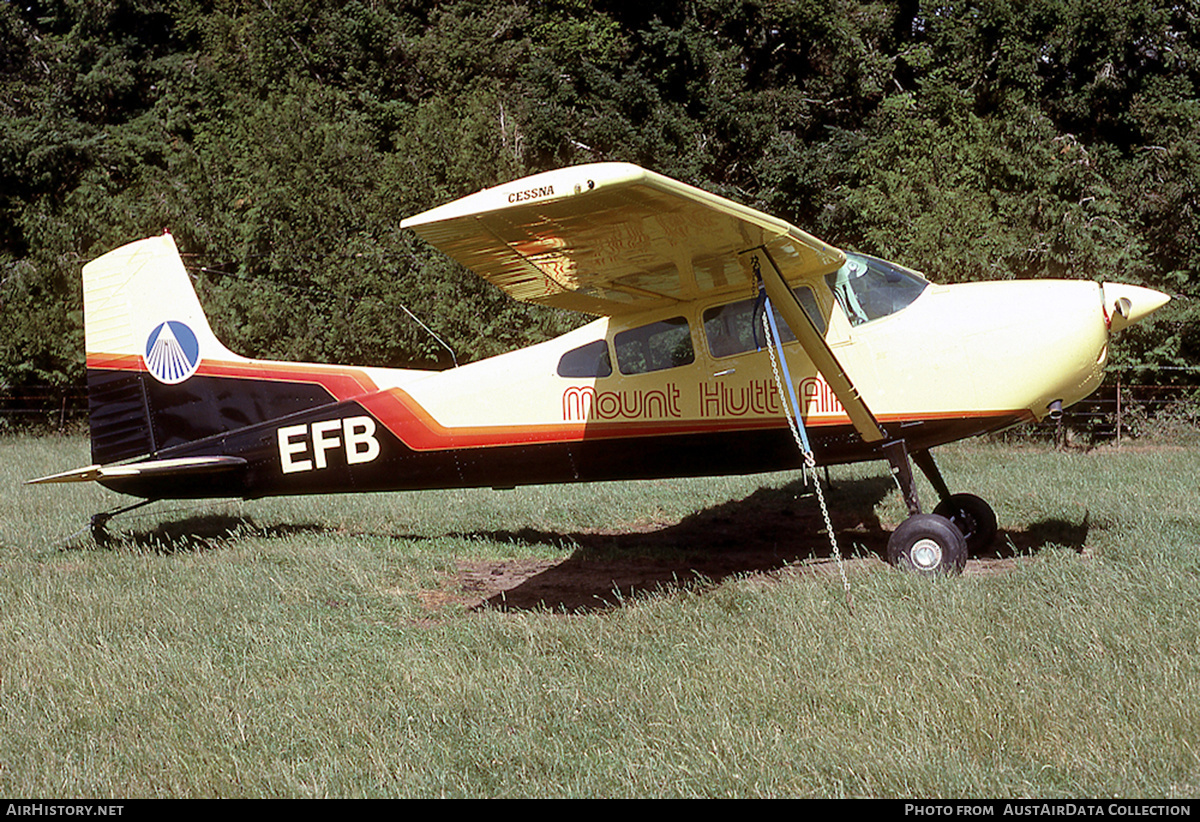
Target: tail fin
{"type": "Point", "coordinates": [138, 297]}
{"type": "Point", "coordinates": [157, 375]}
{"type": "Point", "coordinates": [142, 325]}
{"type": "Point", "coordinates": [172, 411]}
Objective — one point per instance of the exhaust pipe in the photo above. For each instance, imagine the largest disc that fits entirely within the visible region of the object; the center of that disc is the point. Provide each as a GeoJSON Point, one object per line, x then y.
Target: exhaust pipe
{"type": "Point", "coordinates": [1056, 410]}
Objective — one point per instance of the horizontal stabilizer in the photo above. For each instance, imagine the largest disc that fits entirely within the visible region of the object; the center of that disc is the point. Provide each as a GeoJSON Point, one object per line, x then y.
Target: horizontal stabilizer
{"type": "Point", "coordinates": [156, 468]}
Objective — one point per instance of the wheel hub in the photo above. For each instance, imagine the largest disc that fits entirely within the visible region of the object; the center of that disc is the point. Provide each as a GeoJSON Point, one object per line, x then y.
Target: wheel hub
{"type": "Point", "coordinates": [926, 554]}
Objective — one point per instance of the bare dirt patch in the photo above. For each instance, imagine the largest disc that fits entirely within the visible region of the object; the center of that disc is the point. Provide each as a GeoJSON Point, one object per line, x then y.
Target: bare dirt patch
{"type": "Point", "coordinates": [774, 534]}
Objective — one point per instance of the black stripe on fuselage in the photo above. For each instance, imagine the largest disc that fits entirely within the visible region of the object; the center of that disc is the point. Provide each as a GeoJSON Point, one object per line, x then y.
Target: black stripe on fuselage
{"type": "Point", "coordinates": [131, 414]}
{"type": "Point", "coordinates": [609, 457]}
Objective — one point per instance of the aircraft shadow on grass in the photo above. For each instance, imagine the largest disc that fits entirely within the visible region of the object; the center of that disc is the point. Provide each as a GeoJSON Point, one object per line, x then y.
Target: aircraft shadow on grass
{"type": "Point", "coordinates": [196, 533]}
{"type": "Point", "coordinates": [764, 533]}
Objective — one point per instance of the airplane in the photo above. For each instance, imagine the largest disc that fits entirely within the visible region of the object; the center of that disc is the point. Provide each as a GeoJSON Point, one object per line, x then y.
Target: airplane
{"type": "Point", "coordinates": [673, 378]}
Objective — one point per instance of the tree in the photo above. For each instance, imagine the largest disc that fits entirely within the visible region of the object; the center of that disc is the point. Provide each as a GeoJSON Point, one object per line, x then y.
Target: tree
{"type": "Point", "coordinates": [282, 141]}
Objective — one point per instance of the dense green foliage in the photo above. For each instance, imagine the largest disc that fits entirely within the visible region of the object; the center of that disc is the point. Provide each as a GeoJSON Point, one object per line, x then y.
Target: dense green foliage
{"type": "Point", "coordinates": [281, 142]}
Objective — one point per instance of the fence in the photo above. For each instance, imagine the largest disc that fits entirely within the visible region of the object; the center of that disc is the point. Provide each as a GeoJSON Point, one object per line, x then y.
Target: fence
{"type": "Point", "coordinates": [1116, 413]}
{"type": "Point", "coordinates": [1119, 413]}
{"type": "Point", "coordinates": [43, 408]}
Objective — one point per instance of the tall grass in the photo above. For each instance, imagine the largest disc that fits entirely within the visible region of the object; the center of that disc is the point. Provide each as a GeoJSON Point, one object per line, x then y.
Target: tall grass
{"type": "Point", "coordinates": [319, 646]}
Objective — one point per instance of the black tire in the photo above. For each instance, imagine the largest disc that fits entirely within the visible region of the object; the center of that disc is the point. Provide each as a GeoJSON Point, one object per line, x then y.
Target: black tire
{"type": "Point", "coordinates": [973, 517]}
{"type": "Point", "coordinates": [927, 544]}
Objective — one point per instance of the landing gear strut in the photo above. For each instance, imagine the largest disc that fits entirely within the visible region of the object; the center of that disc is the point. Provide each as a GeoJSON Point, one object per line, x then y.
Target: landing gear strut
{"type": "Point", "coordinates": [937, 543]}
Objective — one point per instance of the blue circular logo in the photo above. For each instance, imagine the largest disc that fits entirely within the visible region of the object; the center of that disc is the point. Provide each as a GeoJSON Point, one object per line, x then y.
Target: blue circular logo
{"type": "Point", "coordinates": [172, 352]}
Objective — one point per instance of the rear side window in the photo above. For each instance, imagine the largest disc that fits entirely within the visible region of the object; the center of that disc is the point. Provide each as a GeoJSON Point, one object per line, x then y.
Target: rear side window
{"type": "Point", "coordinates": [654, 347]}
{"type": "Point", "coordinates": [589, 360]}
{"type": "Point", "coordinates": [732, 329]}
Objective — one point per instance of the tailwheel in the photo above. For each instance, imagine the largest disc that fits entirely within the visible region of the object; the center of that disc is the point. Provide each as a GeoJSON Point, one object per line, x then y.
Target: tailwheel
{"type": "Point", "coordinates": [928, 544]}
{"type": "Point", "coordinates": [974, 519]}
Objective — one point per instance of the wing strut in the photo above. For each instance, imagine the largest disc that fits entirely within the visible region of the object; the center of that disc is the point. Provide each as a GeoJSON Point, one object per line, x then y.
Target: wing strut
{"type": "Point", "coordinates": [817, 349]}
{"type": "Point", "coordinates": [928, 543]}
{"type": "Point", "coordinates": [896, 450]}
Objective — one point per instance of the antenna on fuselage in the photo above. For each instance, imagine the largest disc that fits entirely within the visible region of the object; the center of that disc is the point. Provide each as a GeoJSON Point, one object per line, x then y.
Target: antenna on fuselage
{"type": "Point", "coordinates": [309, 290]}
{"type": "Point", "coordinates": [443, 343]}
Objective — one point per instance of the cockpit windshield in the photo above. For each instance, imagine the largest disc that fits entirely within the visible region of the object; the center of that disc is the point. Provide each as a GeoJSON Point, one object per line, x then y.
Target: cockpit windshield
{"type": "Point", "coordinates": [868, 288]}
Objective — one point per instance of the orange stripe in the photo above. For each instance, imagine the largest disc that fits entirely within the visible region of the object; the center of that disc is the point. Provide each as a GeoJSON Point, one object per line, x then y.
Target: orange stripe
{"type": "Point", "coordinates": [405, 418]}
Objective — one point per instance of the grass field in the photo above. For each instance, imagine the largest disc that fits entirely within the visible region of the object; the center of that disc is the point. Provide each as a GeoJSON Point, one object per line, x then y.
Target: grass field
{"type": "Point", "coordinates": [684, 638]}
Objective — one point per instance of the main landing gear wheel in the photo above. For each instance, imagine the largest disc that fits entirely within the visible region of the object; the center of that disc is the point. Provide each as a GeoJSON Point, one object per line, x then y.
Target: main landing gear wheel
{"type": "Point", "coordinates": [973, 517]}
{"type": "Point", "coordinates": [928, 544]}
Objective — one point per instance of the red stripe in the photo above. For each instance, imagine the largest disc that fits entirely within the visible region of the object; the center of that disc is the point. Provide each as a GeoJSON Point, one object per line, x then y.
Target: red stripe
{"type": "Point", "coordinates": [342, 382]}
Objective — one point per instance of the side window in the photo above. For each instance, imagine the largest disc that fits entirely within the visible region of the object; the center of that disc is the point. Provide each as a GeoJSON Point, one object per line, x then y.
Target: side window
{"type": "Point", "coordinates": [653, 347]}
{"type": "Point", "coordinates": [589, 360]}
{"type": "Point", "coordinates": [730, 328]}
{"type": "Point", "coordinates": [733, 328]}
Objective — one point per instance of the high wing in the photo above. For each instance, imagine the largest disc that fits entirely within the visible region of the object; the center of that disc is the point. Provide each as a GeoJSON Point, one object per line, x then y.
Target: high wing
{"type": "Point", "coordinates": [613, 238]}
